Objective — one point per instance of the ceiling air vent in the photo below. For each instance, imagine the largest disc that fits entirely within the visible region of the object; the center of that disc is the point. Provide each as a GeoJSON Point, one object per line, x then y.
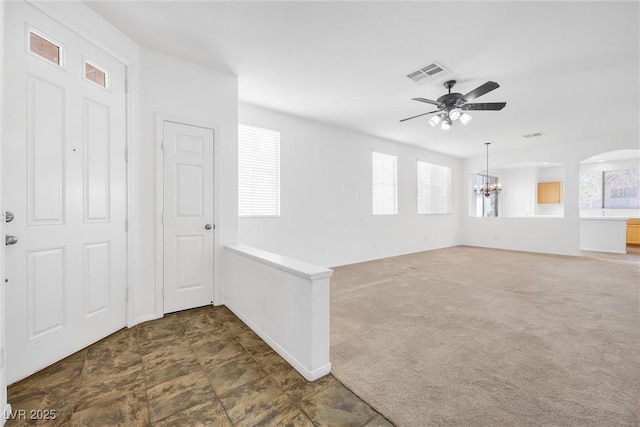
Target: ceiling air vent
{"type": "Point", "coordinates": [532, 135]}
{"type": "Point", "coordinates": [430, 72]}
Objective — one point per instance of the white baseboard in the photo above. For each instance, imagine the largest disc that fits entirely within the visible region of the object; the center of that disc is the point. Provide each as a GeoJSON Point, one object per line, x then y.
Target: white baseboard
{"type": "Point", "coordinates": [605, 250]}
{"type": "Point", "coordinates": [306, 373]}
{"type": "Point", "coordinates": [142, 319]}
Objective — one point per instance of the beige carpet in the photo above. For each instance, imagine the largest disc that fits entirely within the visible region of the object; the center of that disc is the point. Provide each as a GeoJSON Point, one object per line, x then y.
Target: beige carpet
{"type": "Point", "coordinates": [478, 337]}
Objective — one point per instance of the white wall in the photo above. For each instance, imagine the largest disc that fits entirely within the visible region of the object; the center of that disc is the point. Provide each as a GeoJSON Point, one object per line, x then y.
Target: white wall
{"type": "Point", "coordinates": [326, 196]}
{"type": "Point", "coordinates": [195, 95]}
{"type": "Point", "coordinates": [286, 302]}
{"type": "Point", "coordinates": [608, 234]}
{"type": "Point", "coordinates": [537, 234]}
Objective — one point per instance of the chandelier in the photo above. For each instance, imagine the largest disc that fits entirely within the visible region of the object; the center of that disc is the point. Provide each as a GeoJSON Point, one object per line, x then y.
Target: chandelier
{"type": "Point", "coordinates": [487, 190]}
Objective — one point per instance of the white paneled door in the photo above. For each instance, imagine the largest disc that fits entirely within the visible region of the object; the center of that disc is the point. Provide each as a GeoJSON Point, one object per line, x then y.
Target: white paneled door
{"type": "Point", "coordinates": [64, 180]}
{"type": "Point", "coordinates": [188, 216]}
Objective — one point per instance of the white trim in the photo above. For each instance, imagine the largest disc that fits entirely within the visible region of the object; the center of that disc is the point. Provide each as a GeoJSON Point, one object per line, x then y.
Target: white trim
{"type": "Point", "coordinates": [61, 48]}
{"type": "Point", "coordinates": [107, 74]}
{"type": "Point", "coordinates": [145, 318]}
{"type": "Point", "coordinates": [159, 261]}
{"type": "Point", "coordinates": [160, 118]}
{"type": "Point", "coordinates": [604, 250]}
{"type": "Point", "coordinates": [293, 266]}
{"type": "Point", "coordinates": [598, 218]}
{"type": "Point", "coordinates": [3, 299]}
{"type": "Point", "coordinates": [309, 375]}
{"type": "Point", "coordinates": [133, 247]}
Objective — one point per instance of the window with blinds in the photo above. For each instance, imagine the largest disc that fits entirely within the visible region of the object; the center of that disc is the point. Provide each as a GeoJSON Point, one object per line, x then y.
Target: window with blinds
{"type": "Point", "coordinates": [384, 184]}
{"type": "Point", "coordinates": [258, 172]}
{"type": "Point", "coordinates": [434, 189]}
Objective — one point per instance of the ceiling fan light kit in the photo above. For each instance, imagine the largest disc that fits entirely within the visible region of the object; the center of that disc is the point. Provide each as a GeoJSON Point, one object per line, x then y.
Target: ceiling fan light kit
{"type": "Point", "coordinates": [453, 106]}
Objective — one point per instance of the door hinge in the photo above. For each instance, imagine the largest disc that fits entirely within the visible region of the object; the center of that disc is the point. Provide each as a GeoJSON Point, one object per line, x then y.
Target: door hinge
{"type": "Point", "coordinates": [162, 145]}
{"type": "Point", "coordinates": [162, 218]}
{"type": "Point", "coordinates": [126, 154]}
{"type": "Point", "coordinates": [126, 85]}
{"type": "Point", "coordinates": [214, 226]}
{"type": "Point", "coordinates": [126, 225]}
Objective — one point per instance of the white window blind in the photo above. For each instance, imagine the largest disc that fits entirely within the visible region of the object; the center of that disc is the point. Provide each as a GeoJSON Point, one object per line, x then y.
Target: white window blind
{"type": "Point", "coordinates": [434, 189]}
{"type": "Point", "coordinates": [384, 184]}
{"type": "Point", "coordinates": [258, 172]}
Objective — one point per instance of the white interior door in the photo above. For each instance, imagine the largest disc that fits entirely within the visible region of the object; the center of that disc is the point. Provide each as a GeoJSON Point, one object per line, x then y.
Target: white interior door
{"type": "Point", "coordinates": [64, 180]}
{"type": "Point", "coordinates": [188, 216]}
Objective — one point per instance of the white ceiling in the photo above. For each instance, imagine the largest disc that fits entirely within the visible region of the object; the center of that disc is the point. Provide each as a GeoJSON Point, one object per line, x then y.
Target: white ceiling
{"type": "Point", "coordinates": [567, 69]}
{"type": "Point", "coordinates": [612, 156]}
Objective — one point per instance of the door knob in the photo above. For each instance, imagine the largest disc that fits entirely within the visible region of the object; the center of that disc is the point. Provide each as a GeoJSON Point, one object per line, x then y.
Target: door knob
{"type": "Point", "coordinates": [207, 227]}
{"type": "Point", "coordinates": [8, 216]}
{"type": "Point", "coordinates": [10, 240]}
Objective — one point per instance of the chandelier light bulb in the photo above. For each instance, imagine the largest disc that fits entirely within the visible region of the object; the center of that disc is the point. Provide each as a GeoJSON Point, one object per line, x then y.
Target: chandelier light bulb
{"type": "Point", "coordinates": [465, 118]}
{"type": "Point", "coordinates": [433, 121]}
{"type": "Point", "coordinates": [454, 115]}
{"type": "Point", "coordinates": [446, 125]}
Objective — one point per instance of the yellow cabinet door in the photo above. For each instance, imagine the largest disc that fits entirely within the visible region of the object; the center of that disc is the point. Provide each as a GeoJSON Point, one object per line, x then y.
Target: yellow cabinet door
{"type": "Point", "coordinates": [549, 192]}
{"type": "Point", "coordinates": [633, 232]}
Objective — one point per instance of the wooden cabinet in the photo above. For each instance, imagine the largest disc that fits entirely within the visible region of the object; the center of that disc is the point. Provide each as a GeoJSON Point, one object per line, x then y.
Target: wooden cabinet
{"type": "Point", "coordinates": [633, 231]}
{"type": "Point", "coordinates": [549, 192]}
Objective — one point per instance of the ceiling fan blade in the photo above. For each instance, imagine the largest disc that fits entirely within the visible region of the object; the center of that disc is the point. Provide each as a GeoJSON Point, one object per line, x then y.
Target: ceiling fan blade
{"type": "Point", "coordinates": [484, 106]}
{"type": "Point", "coordinates": [428, 101]}
{"type": "Point", "coordinates": [481, 90]}
{"type": "Point", "coordinates": [419, 115]}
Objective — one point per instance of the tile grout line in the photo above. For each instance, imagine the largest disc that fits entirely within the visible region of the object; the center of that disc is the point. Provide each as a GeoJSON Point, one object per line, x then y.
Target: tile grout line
{"type": "Point", "coordinates": [206, 374]}
{"type": "Point", "coordinates": [144, 376]}
{"type": "Point", "coordinates": [82, 374]}
{"type": "Point", "coordinates": [267, 374]}
{"type": "Point", "coordinates": [294, 403]}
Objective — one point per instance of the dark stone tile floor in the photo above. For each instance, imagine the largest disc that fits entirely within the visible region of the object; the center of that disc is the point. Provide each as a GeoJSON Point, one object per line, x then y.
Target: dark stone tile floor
{"type": "Point", "coordinates": [200, 367]}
